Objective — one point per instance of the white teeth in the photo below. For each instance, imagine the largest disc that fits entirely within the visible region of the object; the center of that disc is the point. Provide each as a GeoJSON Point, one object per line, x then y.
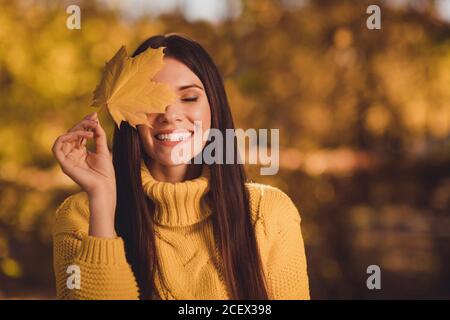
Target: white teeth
{"type": "Point", "coordinates": [176, 136]}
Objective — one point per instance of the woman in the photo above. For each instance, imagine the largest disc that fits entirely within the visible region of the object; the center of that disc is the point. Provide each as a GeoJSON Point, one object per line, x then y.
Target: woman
{"type": "Point", "coordinates": [146, 227]}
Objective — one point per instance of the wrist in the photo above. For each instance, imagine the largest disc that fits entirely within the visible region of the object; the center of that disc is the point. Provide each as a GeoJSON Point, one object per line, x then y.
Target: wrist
{"type": "Point", "coordinates": [102, 207]}
{"type": "Point", "coordinates": [102, 192]}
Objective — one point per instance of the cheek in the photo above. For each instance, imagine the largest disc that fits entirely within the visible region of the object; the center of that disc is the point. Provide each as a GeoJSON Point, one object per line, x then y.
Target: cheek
{"type": "Point", "coordinates": [146, 138]}
{"type": "Point", "coordinates": [151, 118]}
{"type": "Point", "coordinates": [201, 112]}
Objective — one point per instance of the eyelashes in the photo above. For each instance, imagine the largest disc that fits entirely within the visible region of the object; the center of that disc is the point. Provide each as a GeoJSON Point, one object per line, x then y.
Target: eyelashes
{"type": "Point", "coordinates": [189, 99]}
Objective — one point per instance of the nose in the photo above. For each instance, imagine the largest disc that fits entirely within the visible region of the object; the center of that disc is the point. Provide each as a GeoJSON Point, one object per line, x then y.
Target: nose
{"type": "Point", "coordinates": [171, 115]}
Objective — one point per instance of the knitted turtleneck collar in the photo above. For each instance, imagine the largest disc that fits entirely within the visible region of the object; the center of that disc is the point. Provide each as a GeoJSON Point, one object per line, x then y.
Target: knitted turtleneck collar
{"type": "Point", "coordinates": [178, 204]}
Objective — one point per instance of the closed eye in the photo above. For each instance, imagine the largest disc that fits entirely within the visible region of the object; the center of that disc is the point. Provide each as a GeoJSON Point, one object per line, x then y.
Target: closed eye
{"type": "Point", "coordinates": [189, 99]}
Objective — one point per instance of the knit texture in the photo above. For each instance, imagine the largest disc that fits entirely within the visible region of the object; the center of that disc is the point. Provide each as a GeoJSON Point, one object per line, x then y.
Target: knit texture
{"type": "Point", "coordinates": [191, 267]}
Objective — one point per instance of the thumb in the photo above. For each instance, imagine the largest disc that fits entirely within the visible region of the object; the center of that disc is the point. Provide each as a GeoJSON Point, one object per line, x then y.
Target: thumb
{"type": "Point", "coordinates": [101, 143]}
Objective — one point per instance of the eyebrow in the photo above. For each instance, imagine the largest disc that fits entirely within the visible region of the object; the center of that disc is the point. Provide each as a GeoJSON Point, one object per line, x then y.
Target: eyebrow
{"type": "Point", "coordinates": [190, 86]}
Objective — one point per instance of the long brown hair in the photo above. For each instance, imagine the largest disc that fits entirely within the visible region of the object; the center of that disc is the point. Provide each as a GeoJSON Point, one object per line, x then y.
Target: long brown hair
{"type": "Point", "coordinates": [227, 197]}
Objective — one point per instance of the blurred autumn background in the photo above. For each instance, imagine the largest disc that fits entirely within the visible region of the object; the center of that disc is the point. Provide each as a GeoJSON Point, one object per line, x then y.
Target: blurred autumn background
{"type": "Point", "coordinates": [364, 119]}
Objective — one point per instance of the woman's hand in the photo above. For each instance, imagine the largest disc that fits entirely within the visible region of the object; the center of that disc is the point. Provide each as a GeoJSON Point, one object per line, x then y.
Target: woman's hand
{"type": "Point", "coordinates": [92, 171]}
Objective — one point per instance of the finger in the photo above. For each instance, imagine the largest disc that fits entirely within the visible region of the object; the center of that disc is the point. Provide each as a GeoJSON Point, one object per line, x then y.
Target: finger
{"type": "Point", "coordinates": [83, 143]}
{"type": "Point", "coordinates": [92, 116]}
{"type": "Point", "coordinates": [101, 144]}
{"type": "Point", "coordinates": [72, 136]}
{"type": "Point", "coordinates": [58, 147]}
{"type": "Point", "coordinates": [87, 123]}
{"type": "Point", "coordinates": [84, 124]}
{"type": "Point", "coordinates": [67, 147]}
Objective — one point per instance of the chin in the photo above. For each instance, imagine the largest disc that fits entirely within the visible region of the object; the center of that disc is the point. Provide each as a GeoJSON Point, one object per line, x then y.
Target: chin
{"type": "Point", "coordinates": [166, 160]}
{"type": "Point", "coordinates": [169, 163]}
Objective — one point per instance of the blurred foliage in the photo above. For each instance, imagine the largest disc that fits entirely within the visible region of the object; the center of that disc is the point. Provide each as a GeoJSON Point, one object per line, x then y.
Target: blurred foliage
{"type": "Point", "coordinates": [364, 118]}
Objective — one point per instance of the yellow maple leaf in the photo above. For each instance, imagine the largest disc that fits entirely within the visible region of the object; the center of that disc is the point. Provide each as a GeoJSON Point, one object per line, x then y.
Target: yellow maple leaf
{"type": "Point", "coordinates": [126, 88]}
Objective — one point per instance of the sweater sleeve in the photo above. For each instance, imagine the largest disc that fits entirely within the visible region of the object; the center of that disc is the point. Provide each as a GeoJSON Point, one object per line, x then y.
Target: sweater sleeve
{"type": "Point", "coordinates": [287, 276]}
{"type": "Point", "coordinates": [88, 267]}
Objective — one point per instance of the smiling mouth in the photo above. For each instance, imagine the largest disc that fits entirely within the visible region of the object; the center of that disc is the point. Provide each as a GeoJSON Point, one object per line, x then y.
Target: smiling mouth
{"type": "Point", "coordinates": [174, 136]}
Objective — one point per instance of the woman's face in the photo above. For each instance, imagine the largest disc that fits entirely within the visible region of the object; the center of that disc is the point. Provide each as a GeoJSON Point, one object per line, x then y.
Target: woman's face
{"type": "Point", "coordinates": [175, 127]}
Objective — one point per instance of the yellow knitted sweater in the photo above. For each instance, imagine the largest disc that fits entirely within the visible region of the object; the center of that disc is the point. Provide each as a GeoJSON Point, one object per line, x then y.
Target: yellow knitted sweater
{"type": "Point", "coordinates": [185, 247]}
